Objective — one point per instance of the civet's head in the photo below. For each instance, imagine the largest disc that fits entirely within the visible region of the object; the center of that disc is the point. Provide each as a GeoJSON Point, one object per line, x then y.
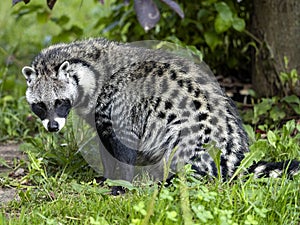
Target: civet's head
{"type": "Point", "coordinates": [51, 92]}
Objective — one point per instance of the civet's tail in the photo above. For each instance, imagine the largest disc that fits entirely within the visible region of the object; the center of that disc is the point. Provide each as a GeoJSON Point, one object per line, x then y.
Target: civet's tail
{"type": "Point", "coordinates": [275, 169]}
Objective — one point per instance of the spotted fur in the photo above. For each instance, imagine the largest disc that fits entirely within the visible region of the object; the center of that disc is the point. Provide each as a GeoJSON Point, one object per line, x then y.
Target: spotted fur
{"type": "Point", "coordinates": [144, 104]}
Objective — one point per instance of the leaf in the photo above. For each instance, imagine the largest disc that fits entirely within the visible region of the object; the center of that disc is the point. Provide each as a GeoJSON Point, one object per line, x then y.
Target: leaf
{"type": "Point", "coordinates": [195, 53]}
{"type": "Point", "coordinates": [51, 3]}
{"type": "Point", "coordinates": [238, 24]}
{"type": "Point", "coordinates": [42, 17]}
{"type": "Point", "coordinates": [296, 109]}
{"type": "Point", "coordinates": [202, 13]}
{"type": "Point", "coordinates": [212, 40]}
{"type": "Point", "coordinates": [215, 154]}
{"type": "Point", "coordinates": [88, 189]}
{"type": "Point", "coordinates": [290, 126]}
{"type": "Point", "coordinates": [26, 10]}
{"type": "Point", "coordinates": [294, 102]}
{"type": "Point", "coordinates": [263, 107]}
{"type": "Point", "coordinates": [172, 215]}
{"type": "Point", "coordinates": [147, 13]}
{"type": "Point", "coordinates": [272, 138]}
{"type": "Point", "coordinates": [140, 207]}
{"type": "Point", "coordinates": [3, 163]}
{"type": "Point", "coordinates": [292, 99]}
{"type": "Point", "coordinates": [61, 21]}
{"type": "Point", "coordinates": [76, 30]}
{"type": "Point", "coordinates": [7, 98]}
{"type": "Point", "coordinates": [173, 5]}
{"type": "Point", "coordinates": [17, 1]}
{"type": "Point", "coordinates": [98, 221]}
{"type": "Point", "coordinates": [202, 214]}
{"type": "Point", "coordinates": [284, 77]}
{"type": "Point", "coordinates": [123, 183]}
{"type": "Point", "coordinates": [255, 155]}
{"type": "Point", "coordinates": [222, 25]}
{"type": "Point", "coordinates": [277, 114]}
{"type": "Point", "coordinates": [250, 132]}
{"type": "Point", "coordinates": [224, 11]}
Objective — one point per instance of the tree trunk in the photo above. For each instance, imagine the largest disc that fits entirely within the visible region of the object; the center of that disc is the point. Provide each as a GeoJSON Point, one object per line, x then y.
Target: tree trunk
{"type": "Point", "coordinates": [277, 24]}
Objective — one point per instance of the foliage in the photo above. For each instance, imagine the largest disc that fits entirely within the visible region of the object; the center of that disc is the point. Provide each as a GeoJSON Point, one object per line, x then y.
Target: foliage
{"type": "Point", "coordinates": [16, 122]}
{"type": "Point", "coordinates": [273, 111]}
{"type": "Point", "coordinates": [289, 80]}
{"type": "Point", "coordinates": [55, 153]}
{"type": "Point", "coordinates": [215, 27]}
{"type": "Point", "coordinates": [50, 3]}
{"type": "Point", "coordinates": [113, 20]}
{"type": "Point", "coordinates": [274, 145]}
{"type": "Point", "coordinates": [147, 12]}
{"type": "Point", "coordinates": [186, 201]}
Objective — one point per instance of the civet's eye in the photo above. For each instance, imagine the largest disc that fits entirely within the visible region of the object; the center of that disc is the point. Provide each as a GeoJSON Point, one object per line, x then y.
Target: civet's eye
{"type": "Point", "coordinates": [62, 107]}
{"type": "Point", "coordinates": [40, 110]}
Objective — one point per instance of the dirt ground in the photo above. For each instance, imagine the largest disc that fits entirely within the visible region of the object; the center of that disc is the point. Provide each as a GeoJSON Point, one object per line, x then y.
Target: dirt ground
{"type": "Point", "coordinates": [10, 153]}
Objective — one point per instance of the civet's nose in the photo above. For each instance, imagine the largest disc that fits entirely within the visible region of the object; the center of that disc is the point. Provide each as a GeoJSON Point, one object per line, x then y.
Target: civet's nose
{"type": "Point", "coordinates": [53, 126]}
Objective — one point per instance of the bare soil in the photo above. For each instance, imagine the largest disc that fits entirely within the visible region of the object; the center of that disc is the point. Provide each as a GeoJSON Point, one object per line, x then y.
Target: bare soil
{"type": "Point", "coordinates": [11, 154]}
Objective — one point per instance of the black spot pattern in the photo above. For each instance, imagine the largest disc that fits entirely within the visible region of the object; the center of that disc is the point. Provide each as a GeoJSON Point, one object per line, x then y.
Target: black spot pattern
{"type": "Point", "coordinates": [168, 105]}
{"type": "Point", "coordinates": [160, 98]}
{"type": "Point", "coordinates": [196, 104]}
{"type": "Point", "coordinates": [161, 115]}
{"type": "Point", "coordinates": [173, 75]}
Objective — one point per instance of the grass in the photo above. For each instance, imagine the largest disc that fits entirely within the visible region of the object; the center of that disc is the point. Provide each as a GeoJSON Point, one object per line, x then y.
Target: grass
{"type": "Point", "coordinates": [59, 200]}
{"type": "Point", "coordinates": [59, 187]}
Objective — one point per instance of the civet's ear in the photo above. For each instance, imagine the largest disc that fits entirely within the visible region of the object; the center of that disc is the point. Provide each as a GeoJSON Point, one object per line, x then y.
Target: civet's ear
{"type": "Point", "coordinates": [30, 74]}
{"type": "Point", "coordinates": [63, 71]}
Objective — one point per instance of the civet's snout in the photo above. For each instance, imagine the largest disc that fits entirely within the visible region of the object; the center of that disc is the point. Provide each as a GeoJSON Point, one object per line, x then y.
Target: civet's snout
{"type": "Point", "coordinates": [54, 125]}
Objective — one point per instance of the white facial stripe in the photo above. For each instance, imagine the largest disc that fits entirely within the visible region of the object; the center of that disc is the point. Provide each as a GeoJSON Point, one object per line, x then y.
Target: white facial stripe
{"type": "Point", "coordinates": [45, 123]}
{"type": "Point", "coordinates": [86, 79]}
{"type": "Point", "coordinates": [61, 122]}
